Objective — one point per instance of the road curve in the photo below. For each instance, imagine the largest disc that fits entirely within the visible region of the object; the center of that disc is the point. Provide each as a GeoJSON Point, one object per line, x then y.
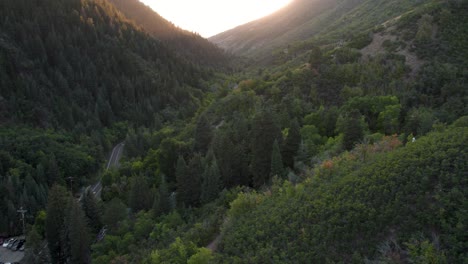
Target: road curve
{"type": "Point", "coordinates": [115, 156]}
{"type": "Point", "coordinates": [113, 162]}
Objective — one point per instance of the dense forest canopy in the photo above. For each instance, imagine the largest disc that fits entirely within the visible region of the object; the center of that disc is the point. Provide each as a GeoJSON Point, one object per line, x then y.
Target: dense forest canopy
{"type": "Point", "coordinates": [74, 76]}
{"type": "Point", "coordinates": [343, 145]}
{"type": "Point", "coordinates": [83, 65]}
{"type": "Point", "coordinates": [361, 205]}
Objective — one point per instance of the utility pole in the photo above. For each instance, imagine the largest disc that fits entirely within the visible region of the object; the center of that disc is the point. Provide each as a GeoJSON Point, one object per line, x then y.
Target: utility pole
{"type": "Point", "coordinates": [22, 212]}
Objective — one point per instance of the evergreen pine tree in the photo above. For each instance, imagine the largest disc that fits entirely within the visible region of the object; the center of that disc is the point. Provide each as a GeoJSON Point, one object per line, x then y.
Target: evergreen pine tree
{"type": "Point", "coordinates": [353, 130]}
{"type": "Point", "coordinates": [78, 234]}
{"type": "Point", "coordinates": [291, 144]}
{"type": "Point", "coordinates": [53, 172]}
{"type": "Point", "coordinates": [210, 156]}
{"type": "Point", "coordinates": [277, 168]}
{"type": "Point", "coordinates": [54, 225]}
{"type": "Point", "coordinates": [211, 183]}
{"type": "Point", "coordinates": [91, 210]}
{"type": "Point", "coordinates": [225, 153]}
{"type": "Point", "coordinates": [140, 195]}
{"type": "Point", "coordinates": [241, 156]}
{"type": "Point", "coordinates": [230, 149]}
{"type": "Point", "coordinates": [241, 176]}
{"type": "Point", "coordinates": [195, 180]}
{"type": "Point", "coordinates": [302, 155]}
{"type": "Point", "coordinates": [183, 182]}
{"type": "Point", "coordinates": [161, 202]}
{"type": "Point", "coordinates": [316, 57]}
{"type": "Point", "coordinates": [114, 212]}
{"type": "Point", "coordinates": [35, 241]}
{"type": "Point", "coordinates": [40, 174]}
{"type": "Point", "coordinates": [203, 135]}
{"type": "Point", "coordinates": [104, 111]}
{"type": "Point", "coordinates": [264, 133]}
{"type": "Point", "coordinates": [156, 204]}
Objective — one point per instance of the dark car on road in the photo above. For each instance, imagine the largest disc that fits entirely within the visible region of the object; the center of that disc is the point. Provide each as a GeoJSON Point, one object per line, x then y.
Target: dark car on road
{"type": "Point", "coordinates": [19, 245]}
{"type": "Point", "coordinates": [14, 244]}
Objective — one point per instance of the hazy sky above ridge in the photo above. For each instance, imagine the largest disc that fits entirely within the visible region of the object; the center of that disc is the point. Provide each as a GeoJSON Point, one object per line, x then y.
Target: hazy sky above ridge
{"type": "Point", "coordinates": [210, 17]}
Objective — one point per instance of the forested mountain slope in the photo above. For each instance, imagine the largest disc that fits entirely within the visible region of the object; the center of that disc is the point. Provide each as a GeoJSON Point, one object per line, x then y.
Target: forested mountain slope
{"type": "Point", "coordinates": [333, 21]}
{"type": "Point", "coordinates": [259, 34]}
{"type": "Point", "coordinates": [31, 161]}
{"type": "Point", "coordinates": [312, 155]}
{"type": "Point", "coordinates": [81, 64]}
{"type": "Point", "coordinates": [190, 45]}
{"type": "Point", "coordinates": [373, 204]}
{"type": "Point", "coordinates": [73, 76]}
{"type": "Point", "coordinates": [348, 147]}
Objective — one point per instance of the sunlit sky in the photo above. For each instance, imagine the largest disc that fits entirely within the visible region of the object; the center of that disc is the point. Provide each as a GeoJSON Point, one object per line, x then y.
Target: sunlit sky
{"type": "Point", "coordinates": [209, 17]}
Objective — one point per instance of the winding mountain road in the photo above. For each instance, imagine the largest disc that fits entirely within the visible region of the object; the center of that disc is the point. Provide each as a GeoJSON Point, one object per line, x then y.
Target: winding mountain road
{"type": "Point", "coordinates": [113, 162]}
{"type": "Point", "coordinates": [115, 156]}
{"type": "Point", "coordinates": [97, 188]}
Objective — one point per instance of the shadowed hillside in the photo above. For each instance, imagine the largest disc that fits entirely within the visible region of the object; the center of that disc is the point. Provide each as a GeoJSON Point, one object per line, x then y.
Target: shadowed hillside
{"type": "Point", "coordinates": [82, 65]}
{"type": "Point", "coordinates": [188, 44]}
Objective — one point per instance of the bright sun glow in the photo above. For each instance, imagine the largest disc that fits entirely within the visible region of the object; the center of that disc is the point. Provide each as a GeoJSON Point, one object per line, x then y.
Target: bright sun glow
{"type": "Point", "coordinates": [209, 17]}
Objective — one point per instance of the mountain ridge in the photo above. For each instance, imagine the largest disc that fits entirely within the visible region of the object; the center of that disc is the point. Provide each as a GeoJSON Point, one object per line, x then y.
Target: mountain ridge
{"type": "Point", "coordinates": [90, 61]}
{"type": "Point", "coordinates": [292, 14]}
{"type": "Point", "coordinates": [188, 44]}
{"type": "Point", "coordinates": [338, 20]}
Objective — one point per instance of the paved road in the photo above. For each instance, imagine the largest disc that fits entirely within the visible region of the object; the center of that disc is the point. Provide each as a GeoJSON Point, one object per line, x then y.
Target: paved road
{"type": "Point", "coordinates": [7, 255]}
{"type": "Point", "coordinates": [113, 162]}
{"type": "Point", "coordinates": [213, 246]}
{"type": "Point", "coordinates": [115, 156]}
{"type": "Point", "coordinates": [96, 188]}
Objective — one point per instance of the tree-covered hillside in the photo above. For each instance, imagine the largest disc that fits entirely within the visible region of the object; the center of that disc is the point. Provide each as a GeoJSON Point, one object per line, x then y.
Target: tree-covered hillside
{"type": "Point", "coordinates": [345, 146]}
{"type": "Point", "coordinates": [31, 161]}
{"type": "Point", "coordinates": [328, 22]}
{"type": "Point", "coordinates": [377, 204]}
{"type": "Point", "coordinates": [258, 36]}
{"type": "Point", "coordinates": [82, 65]}
{"type": "Point", "coordinates": [74, 75]}
{"type": "Point", "coordinates": [190, 45]}
{"type": "Point", "coordinates": [315, 147]}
